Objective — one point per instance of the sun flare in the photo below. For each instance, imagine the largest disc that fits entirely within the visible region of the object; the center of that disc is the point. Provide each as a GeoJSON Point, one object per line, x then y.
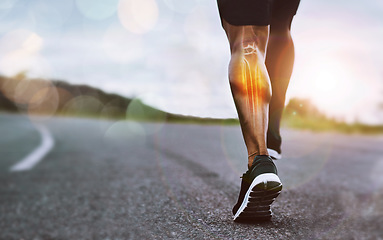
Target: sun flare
{"type": "Point", "coordinates": [334, 87]}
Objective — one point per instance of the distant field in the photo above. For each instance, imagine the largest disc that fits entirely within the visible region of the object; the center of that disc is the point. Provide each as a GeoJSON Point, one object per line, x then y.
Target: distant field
{"type": "Point", "coordinates": [319, 125]}
{"type": "Point", "coordinates": [20, 94]}
{"type": "Point", "coordinates": [302, 114]}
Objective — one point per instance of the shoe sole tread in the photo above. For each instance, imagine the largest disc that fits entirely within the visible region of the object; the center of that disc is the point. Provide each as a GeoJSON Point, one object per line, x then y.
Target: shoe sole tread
{"type": "Point", "coordinates": [259, 200]}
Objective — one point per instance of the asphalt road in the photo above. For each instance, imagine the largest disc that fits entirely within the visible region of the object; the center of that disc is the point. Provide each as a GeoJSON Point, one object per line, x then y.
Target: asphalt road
{"type": "Point", "coordinates": [127, 180]}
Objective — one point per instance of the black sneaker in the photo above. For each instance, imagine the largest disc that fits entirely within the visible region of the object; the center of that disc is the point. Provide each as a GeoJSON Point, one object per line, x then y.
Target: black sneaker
{"type": "Point", "coordinates": [273, 143]}
{"type": "Point", "coordinates": [275, 155]}
{"type": "Point", "coordinates": [259, 188]}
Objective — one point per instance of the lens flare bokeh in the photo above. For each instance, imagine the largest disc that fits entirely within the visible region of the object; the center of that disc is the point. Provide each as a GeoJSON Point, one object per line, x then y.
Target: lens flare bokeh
{"type": "Point", "coordinates": [126, 130]}
{"type": "Point", "coordinates": [182, 6]}
{"type": "Point", "coordinates": [122, 46]}
{"type": "Point", "coordinates": [138, 16]}
{"type": "Point", "coordinates": [138, 111]}
{"type": "Point", "coordinates": [97, 9]}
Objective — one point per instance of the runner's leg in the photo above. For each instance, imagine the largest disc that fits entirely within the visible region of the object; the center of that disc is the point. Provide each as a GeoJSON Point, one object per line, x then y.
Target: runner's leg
{"type": "Point", "coordinates": [250, 84]}
{"type": "Point", "coordinates": [279, 62]}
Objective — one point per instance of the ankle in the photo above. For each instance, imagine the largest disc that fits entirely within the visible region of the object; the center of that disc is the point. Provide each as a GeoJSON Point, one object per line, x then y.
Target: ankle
{"type": "Point", "coordinates": [250, 158]}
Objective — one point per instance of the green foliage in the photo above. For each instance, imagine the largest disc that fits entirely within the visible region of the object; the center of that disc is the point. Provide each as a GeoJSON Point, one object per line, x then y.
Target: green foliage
{"type": "Point", "coordinates": [38, 96]}
{"type": "Point", "coordinates": [302, 114]}
{"type": "Point", "coordinates": [139, 111]}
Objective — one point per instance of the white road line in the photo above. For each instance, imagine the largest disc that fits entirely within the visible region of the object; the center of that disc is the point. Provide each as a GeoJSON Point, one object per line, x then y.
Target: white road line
{"type": "Point", "coordinates": [38, 154]}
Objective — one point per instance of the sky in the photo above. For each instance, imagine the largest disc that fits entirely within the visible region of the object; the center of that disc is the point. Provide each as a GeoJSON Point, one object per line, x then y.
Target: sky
{"type": "Point", "coordinates": [173, 54]}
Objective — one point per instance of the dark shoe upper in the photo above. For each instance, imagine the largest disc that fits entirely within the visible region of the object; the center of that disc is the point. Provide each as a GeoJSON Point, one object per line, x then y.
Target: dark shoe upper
{"type": "Point", "coordinates": [274, 141]}
{"type": "Point", "coordinates": [261, 164]}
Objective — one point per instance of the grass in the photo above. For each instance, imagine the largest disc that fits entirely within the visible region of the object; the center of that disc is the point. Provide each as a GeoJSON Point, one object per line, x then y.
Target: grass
{"type": "Point", "coordinates": [329, 125]}
{"type": "Point", "coordinates": [89, 102]}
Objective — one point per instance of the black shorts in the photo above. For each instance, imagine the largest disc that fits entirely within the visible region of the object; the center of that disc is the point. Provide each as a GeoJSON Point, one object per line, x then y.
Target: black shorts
{"type": "Point", "coordinates": [256, 12]}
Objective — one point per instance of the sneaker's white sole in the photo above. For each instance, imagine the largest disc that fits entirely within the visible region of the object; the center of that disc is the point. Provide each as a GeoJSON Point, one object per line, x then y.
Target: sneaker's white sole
{"type": "Point", "coordinates": [258, 198]}
{"type": "Point", "coordinates": [274, 154]}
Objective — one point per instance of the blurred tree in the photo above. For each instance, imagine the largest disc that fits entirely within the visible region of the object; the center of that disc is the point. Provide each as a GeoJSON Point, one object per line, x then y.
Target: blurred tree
{"type": "Point", "coordinates": [303, 108]}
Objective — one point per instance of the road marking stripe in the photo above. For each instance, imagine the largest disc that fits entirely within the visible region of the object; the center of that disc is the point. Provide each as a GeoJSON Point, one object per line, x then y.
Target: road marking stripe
{"type": "Point", "coordinates": [38, 154]}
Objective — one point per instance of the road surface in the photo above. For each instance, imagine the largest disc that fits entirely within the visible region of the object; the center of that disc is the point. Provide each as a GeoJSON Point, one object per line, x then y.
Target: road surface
{"type": "Point", "coordinates": [129, 180]}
